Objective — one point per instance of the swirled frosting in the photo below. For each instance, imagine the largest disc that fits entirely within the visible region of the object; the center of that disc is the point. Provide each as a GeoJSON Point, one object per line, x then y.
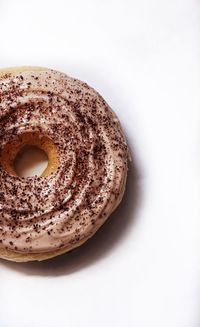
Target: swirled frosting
{"type": "Point", "coordinates": [41, 214]}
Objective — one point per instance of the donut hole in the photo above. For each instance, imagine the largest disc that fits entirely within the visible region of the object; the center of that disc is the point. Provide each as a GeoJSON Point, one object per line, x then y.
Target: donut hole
{"type": "Point", "coordinates": [30, 161]}
{"type": "Point", "coordinates": [30, 154]}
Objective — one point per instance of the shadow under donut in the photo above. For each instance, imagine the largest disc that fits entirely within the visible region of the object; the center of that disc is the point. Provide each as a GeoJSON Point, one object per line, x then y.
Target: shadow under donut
{"type": "Point", "coordinates": [105, 240]}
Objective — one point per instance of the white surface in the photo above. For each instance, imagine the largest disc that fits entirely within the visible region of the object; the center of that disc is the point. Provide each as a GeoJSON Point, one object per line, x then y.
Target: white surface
{"type": "Point", "coordinates": [143, 268]}
{"type": "Point", "coordinates": [30, 161]}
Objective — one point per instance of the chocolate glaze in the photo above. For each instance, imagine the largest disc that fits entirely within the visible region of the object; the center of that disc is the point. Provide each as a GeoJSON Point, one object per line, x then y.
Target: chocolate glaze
{"type": "Point", "coordinates": [42, 214]}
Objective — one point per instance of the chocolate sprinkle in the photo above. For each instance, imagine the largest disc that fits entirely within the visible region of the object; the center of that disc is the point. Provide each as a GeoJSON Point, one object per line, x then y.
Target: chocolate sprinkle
{"type": "Point", "coordinates": [42, 214]}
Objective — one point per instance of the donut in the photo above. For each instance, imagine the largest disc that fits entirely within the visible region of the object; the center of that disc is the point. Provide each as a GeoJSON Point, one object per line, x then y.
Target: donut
{"type": "Point", "coordinates": [45, 216]}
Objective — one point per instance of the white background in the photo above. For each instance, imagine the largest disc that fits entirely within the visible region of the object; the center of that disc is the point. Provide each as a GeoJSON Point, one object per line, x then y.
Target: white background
{"type": "Point", "coordinates": [142, 269]}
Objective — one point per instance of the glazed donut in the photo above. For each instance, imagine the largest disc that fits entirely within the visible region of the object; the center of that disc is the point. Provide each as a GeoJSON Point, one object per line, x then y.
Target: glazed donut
{"type": "Point", "coordinates": [42, 217]}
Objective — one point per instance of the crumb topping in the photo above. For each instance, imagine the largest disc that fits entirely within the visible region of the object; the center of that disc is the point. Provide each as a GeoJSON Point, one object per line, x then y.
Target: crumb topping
{"type": "Point", "coordinates": [41, 214]}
